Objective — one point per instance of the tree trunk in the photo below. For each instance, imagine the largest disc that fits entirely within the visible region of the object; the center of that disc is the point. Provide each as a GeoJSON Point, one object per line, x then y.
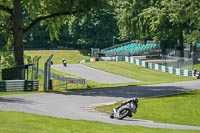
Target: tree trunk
{"type": "Point", "coordinates": [18, 33]}
{"type": "Point", "coordinates": [163, 46]}
{"type": "Point", "coordinates": [181, 45]}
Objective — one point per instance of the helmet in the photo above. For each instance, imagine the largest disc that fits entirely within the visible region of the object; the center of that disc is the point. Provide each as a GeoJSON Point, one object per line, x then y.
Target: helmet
{"type": "Point", "coordinates": [135, 100]}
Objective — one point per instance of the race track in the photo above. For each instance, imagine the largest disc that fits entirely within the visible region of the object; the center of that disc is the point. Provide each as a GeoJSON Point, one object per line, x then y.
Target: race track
{"type": "Point", "coordinates": [92, 74]}
{"type": "Point", "coordinates": [80, 105]}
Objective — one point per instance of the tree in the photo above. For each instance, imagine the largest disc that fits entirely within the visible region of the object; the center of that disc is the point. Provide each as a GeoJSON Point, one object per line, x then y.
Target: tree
{"type": "Point", "coordinates": [159, 26]}
{"type": "Point", "coordinates": [19, 16]}
{"type": "Point", "coordinates": [96, 29]}
{"type": "Point", "coordinates": [159, 19]}
{"type": "Point", "coordinates": [186, 15]}
{"type": "Point", "coordinates": [131, 25]}
{"type": "Point", "coordinates": [175, 19]}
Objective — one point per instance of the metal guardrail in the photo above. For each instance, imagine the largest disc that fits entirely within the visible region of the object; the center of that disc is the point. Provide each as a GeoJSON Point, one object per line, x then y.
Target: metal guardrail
{"type": "Point", "coordinates": [31, 85]}
{"type": "Point", "coordinates": [19, 85]}
{"type": "Point", "coordinates": [67, 79]}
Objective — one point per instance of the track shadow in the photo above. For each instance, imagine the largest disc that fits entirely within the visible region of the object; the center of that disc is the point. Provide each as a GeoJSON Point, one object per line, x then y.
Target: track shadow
{"type": "Point", "coordinates": [14, 100]}
{"type": "Point", "coordinates": [136, 120]}
{"type": "Point", "coordinates": [131, 91]}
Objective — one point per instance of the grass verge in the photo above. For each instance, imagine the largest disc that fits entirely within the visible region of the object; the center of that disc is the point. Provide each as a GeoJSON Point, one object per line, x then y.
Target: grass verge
{"type": "Point", "coordinates": [71, 56]}
{"type": "Point", "coordinates": [179, 109]}
{"type": "Point", "coordinates": [13, 122]}
{"type": "Point", "coordinates": [129, 70]}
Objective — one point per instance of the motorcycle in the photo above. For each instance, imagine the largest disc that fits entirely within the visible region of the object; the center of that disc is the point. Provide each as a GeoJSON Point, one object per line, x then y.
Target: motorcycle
{"type": "Point", "coordinates": [196, 74]}
{"type": "Point", "coordinates": [125, 109]}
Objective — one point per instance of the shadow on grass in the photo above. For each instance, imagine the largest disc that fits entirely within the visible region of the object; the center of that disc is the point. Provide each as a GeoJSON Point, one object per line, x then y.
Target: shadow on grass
{"type": "Point", "coordinates": [132, 91]}
{"type": "Point", "coordinates": [187, 94]}
{"type": "Point", "coordinates": [84, 51]}
{"type": "Point", "coordinates": [136, 120]}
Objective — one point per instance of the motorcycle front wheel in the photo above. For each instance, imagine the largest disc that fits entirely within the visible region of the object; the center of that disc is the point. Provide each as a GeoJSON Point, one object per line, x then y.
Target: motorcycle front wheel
{"type": "Point", "coordinates": [123, 113]}
{"type": "Point", "coordinates": [112, 115]}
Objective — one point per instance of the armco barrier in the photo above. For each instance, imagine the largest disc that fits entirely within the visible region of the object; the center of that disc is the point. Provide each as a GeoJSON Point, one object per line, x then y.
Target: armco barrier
{"type": "Point", "coordinates": [19, 85]}
{"type": "Point", "coordinates": [158, 67]}
{"type": "Point", "coordinates": [69, 79]}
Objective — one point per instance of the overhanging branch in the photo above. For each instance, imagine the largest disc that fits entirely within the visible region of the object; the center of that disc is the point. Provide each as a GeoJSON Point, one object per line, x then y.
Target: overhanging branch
{"type": "Point", "coordinates": [37, 20]}
{"type": "Point", "coordinates": [6, 9]}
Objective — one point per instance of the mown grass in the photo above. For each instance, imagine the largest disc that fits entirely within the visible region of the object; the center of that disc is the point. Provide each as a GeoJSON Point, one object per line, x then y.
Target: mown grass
{"type": "Point", "coordinates": [178, 109]}
{"type": "Point", "coordinates": [182, 109]}
{"type": "Point", "coordinates": [136, 72]}
{"type": "Point", "coordinates": [197, 65]}
{"type": "Point", "coordinates": [13, 122]}
{"type": "Point", "coordinates": [121, 68]}
{"type": "Point", "coordinates": [72, 56]}
{"type": "Point", "coordinates": [147, 76]}
{"type": "Point", "coordinates": [129, 70]}
{"type": "Point", "coordinates": [11, 93]}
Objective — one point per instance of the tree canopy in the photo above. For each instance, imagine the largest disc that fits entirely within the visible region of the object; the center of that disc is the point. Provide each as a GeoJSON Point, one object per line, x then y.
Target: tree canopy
{"type": "Point", "coordinates": [18, 16]}
{"type": "Point", "coordinates": [95, 29]}
{"type": "Point", "coordinates": [159, 19]}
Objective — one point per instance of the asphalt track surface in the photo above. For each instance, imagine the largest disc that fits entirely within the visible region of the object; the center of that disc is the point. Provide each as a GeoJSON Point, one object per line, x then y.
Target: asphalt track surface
{"type": "Point", "coordinates": [92, 74]}
{"type": "Point", "coordinates": [80, 105]}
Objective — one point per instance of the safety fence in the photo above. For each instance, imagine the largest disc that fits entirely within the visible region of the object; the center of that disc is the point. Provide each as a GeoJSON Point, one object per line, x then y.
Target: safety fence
{"type": "Point", "coordinates": [178, 62]}
{"type": "Point", "coordinates": [19, 85]}
{"type": "Point", "coordinates": [150, 65]}
{"type": "Point", "coordinates": [162, 68]}
{"type": "Point", "coordinates": [65, 80]}
{"type": "Point", "coordinates": [69, 79]}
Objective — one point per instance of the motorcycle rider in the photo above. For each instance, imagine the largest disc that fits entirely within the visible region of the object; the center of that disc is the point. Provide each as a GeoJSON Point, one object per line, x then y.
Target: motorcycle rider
{"type": "Point", "coordinates": [196, 73]}
{"type": "Point", "coordinates": [134, 100]}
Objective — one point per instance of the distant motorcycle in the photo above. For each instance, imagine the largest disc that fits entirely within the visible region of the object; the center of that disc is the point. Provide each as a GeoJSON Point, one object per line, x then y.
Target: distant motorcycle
{"type": "Point", "coordinates": [196, 74]}
{"type": "Point", "coordinates": [125, 109]}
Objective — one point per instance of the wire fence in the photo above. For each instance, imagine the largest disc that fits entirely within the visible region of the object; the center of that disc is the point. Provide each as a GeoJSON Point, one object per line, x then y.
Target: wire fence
{"type": "Point", "coordinates": [60, 81]}
{"type": "Point", "coordinates": [178, 62]}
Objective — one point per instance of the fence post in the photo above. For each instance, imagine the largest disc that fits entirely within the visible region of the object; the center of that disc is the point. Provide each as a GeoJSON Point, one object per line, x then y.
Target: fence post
{"type": "Point", "coordinates": [35, 67]}
{"type": "Point", "coordinates": [47, 73]}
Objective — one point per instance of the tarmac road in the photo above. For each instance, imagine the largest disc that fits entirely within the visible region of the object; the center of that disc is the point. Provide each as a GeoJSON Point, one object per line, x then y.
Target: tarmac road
{"type": "Point", "coordinates": [92, 74]}
{"type": "Point", "coordinates": [80, 105]}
